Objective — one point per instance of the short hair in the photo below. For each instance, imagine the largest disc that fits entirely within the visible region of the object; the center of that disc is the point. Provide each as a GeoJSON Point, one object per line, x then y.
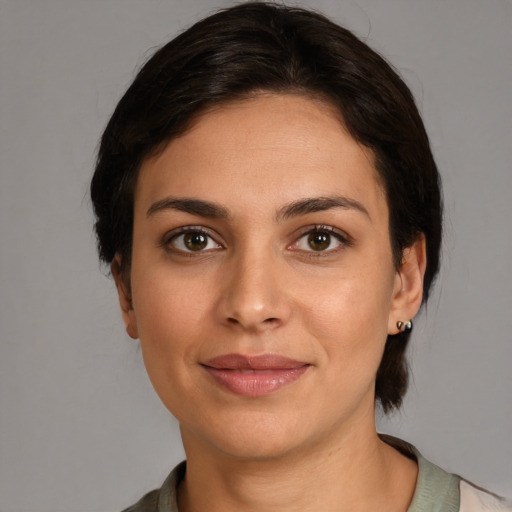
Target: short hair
{"type": "Point", "coordinates": [261, 47]}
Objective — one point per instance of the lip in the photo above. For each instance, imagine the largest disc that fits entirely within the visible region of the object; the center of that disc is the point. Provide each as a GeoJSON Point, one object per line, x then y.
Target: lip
{"type": "Point", "coordinates": [254, 376]}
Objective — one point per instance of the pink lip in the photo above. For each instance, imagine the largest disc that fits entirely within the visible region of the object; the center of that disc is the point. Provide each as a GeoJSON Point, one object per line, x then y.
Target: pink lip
{"type": "Point", "coordinates": [254, 375]}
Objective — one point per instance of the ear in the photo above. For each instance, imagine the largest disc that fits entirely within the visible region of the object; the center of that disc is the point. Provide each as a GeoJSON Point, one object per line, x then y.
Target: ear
{"type": "Point", "coordinates": [125, 299]}
{"type": "Point", "coordinates": [408, 287]}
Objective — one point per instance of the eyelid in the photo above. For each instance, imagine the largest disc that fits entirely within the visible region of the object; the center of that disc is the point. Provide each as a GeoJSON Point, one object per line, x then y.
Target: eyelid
{"type": "Point", "coordinates": [169, 236]}
{"type": "Point", "coordinates": [344, 238]}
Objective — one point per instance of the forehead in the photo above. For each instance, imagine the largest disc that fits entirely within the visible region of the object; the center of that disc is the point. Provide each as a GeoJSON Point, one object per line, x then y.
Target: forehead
{"type": "Point", "coordinates": [266, 149]}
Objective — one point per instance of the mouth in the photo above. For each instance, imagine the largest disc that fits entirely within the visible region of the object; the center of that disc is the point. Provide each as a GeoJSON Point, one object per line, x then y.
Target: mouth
{"type": "Point", "coordinates": [254, 376]}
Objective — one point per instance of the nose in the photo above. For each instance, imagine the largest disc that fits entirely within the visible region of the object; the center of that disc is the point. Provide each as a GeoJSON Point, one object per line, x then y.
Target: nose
{"type": "Point", "coordinates": [253, 297]}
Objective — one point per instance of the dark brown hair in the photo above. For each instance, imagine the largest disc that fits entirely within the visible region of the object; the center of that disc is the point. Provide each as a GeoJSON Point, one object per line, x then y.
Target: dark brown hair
{"type": "Point", "coordinates": [264, 47]}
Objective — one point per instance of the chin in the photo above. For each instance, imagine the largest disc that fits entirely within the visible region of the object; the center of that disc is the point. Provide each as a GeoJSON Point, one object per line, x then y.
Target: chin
{"type": "Point", "coordinates": [250, 435]}
{"type": "Point", "coordinates": [254, 435]}
{"type": "Point", "coordinates": [260, 447]}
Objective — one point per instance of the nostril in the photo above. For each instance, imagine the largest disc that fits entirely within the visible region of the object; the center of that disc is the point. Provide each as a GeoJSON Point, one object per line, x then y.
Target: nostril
{"type": "Point", "coordinates": [267, 321]}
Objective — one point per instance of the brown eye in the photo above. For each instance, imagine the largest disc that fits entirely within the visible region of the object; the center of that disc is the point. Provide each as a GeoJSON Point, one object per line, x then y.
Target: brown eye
{"type": "Point", "coordinates": [190, 241]}
{"type": "Point", "coordinates": [319, 241]}
{"type": "Point", "coordinates": [195, 241]}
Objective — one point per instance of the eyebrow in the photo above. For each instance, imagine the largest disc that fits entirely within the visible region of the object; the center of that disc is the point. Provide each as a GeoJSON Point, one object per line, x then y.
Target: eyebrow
{"type": "Point", "coordinates": [193, 206]}
{"type": "Point", "coordinates": [213, 210]}
{"type": "Point", "coordinates": [319, 204]}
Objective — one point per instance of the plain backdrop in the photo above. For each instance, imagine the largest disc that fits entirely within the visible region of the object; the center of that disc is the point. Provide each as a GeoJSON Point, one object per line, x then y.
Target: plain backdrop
{"type": "Point", "coordinates": [80, 426]}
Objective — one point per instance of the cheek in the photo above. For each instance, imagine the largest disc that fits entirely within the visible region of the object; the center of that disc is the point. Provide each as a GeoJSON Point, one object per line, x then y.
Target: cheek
{"type": "Point", "coordinates": [170, 320]}
{"type": "Point", "coordinates": [170, 315]}
{"type": "Point", "coordinates": [350, 318]}
{"type": "Point", "coordinates": [167, 301]}
{"type": "Point", "coordinates": [360, 300]}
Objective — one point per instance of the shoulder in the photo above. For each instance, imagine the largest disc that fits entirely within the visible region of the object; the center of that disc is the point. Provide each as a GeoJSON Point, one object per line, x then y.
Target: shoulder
{"type": "Point", "coordinates": [437, 490]}
{"type": "Point", "coordinates": [474, 499]}
{"type": "Point", "coordinates": [163, 499]}
{"type": "Point", "coordinates": [148, 503]}
{"type": "Point", "coordinates": [460, 495]}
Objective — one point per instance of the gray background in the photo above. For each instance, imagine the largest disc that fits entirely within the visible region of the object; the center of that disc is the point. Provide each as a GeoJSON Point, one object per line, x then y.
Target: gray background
{"type": "Point", "coordinates": [80, 427]}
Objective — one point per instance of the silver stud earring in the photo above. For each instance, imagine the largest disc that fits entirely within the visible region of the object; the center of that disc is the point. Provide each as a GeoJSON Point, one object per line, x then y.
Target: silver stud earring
{"type": "Point", "coordinates": [404, 326]}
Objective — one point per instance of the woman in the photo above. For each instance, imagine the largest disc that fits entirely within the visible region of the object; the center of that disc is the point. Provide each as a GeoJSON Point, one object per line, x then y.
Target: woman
{"type": "Point", "coordinates": [268, 202]}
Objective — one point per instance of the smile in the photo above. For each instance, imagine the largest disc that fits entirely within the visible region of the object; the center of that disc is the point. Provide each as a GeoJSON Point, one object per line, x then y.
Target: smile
{"type": "Point", "coordinates": [256, 375]}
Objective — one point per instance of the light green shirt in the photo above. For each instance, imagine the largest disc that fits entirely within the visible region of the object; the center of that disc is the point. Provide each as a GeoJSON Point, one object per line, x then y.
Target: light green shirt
{"type": "Point", "coordinates": [436, 490]}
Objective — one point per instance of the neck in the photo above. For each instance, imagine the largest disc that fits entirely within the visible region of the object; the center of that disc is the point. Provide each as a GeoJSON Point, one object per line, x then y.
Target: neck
{"type": "Point", "coordinates": [354, 472]}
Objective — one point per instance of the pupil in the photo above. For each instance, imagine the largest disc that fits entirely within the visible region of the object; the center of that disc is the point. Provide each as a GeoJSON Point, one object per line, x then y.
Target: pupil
{"type": "Point", "coordinates": [195, 241]}
{"type": "Point", "coordinates": [319, 241]}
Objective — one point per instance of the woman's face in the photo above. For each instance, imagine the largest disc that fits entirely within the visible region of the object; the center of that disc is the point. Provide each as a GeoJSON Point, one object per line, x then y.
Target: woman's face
{"type": "Point", "coordinates": [262, 278]}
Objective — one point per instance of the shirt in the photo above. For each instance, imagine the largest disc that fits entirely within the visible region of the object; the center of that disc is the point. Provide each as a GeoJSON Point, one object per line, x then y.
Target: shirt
{"type": "Point", "coordinates": [436, 490]}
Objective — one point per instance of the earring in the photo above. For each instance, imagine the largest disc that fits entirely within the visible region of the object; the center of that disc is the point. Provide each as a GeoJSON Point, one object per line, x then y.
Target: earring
{"type": "Point", "coordinates": [404, 326]}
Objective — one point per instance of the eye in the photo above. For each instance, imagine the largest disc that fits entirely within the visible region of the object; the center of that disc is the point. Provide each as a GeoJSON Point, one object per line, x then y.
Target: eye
{"type": "Point", "coordinates": [191, 240]}
{"type": "Point", "coordinates": [320, 239]}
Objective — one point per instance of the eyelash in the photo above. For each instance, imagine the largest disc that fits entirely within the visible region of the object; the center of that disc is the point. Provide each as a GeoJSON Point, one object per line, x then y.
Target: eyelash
{"type": "Point", "coordinates": [171, 237]}
{"type": "Point", "coordinates": [343, 239]}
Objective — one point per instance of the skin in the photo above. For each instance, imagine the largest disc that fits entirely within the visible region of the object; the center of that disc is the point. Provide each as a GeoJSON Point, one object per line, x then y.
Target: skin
{"type": "Point", "coordinates": [258, 287]}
